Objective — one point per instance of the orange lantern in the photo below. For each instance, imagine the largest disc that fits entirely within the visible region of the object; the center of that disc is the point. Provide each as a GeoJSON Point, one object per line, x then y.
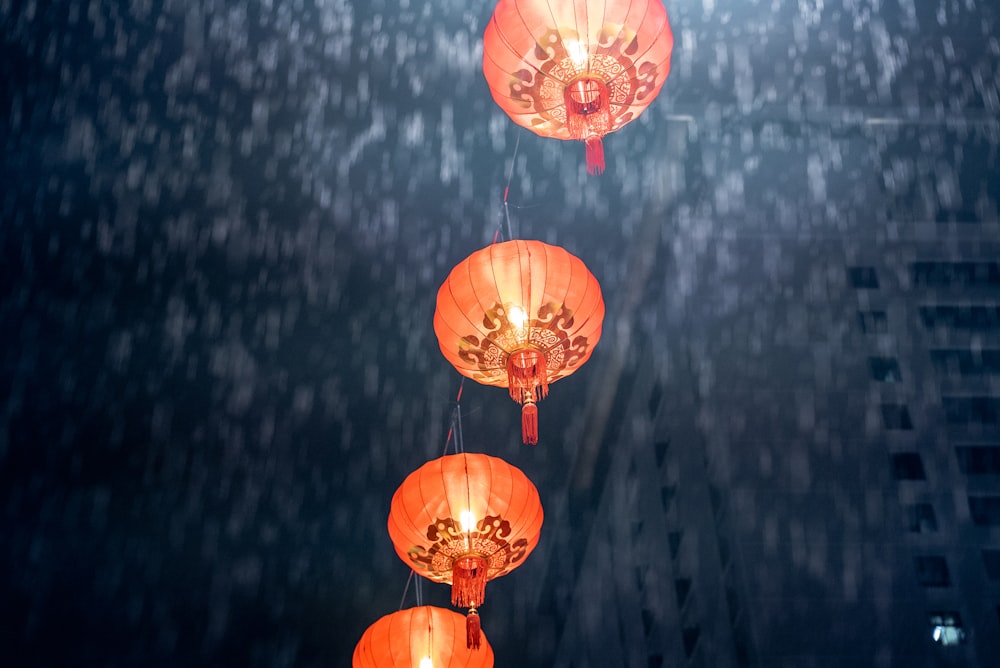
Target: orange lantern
{"type": "Point", "coordinates": [519, 314]}
{"type": "Point", "coordinates": [577, 69]}
{"type": "Point", "coordinates": [421, 637]}
{"type": "Point", "coordinates": [465, 519]}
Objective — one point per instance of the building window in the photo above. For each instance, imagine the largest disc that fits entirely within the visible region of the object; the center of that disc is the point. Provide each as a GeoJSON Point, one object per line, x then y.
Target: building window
{"type": "Point", "coordinates": [863, 278]}
{"type": "Point", "coordinates": [975, 318]}
{"type": "Point", "coordinates": [873, 322]}
{"type": "Point", "coordinates": [985, 510]}
{"type": "Point", "coordinates": [946, 628]}
{"type": "Point", "coordinates": [896, 417]}
{"type": "Point", "coordinates": [966, 363]}
{"type": "Point", "coordinates": [920, 518]}
{"type": "Point", "coordinates": [690, 635]}
{"type": "Point", "coordinates": [682, 587]}
{"type": "Point", "coordinates": [884, 369]}
{"type": "Point", "coordinates": [674, 538]}
{"type": "Point", "coordinates": [932, 571]}
{"type": "Point", "coordinates": [944, 274]}
{"type": "Point", "coordinates": [971, 410]}
{"type": "Point", "coordinates": [991, 562]}
{"type": "Point", "coordinates": [978, 459]}
{"type": "Point", "coordinates": [908, 466]}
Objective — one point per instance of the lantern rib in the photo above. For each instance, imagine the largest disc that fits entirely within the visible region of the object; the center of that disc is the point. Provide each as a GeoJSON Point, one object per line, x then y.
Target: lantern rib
{"type": "Point", "coordinates": [576, 24]}
{"type": "Point", "coordinates": [533, 109]}
{"type": "Point", "coordinates": [604, 17]}
{"type": "Point", "coordinates": [499, 297]}
{"type": "Point", "coordinates": [531, 28]}
{"type": "Point", "coordinates": [516, 513]}
{"type": "Point", "coordinates": [624, 23]}
{"type": "Point", "coordinates": [666, 60]}
{"type": "Point", "coordinates": [396, 626]}
{"type": "Point", "coordinates": [515, 52]}
{"type": "Point", "coordinates": [524, 61]}
{"type": "Point", "coordinates": [479, 300]}
{"type": "Point", "coordinates": [430, 638]}
{"type": "Point", "coordinates": [586, 293]}
{"type": "Point", "coordinates": [398, 639]}
{"type": "Point", "coordinates": [562, 299]}
{"type": "Point", "coordinates": [517, 76]}
{"type": "Point", "coordinates": [527, 303]}
{"type": "Point", "coordinates": [420, 530]}
{"type": "Point", "coordinates": [665, 22]}
{"type": "Point", "coordinates": [474, 324]}
{"type": "Point", "coordinates": [468, 491]}
{"type": "Point", "coordinates": [598, 308]}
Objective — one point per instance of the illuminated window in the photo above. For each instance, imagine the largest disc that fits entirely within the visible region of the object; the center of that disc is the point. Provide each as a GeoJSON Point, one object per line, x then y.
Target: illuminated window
{"type": "Point", "coordinates": [946, 628]}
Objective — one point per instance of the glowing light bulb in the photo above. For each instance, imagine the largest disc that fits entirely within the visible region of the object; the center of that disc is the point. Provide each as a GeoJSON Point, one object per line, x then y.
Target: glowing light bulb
{"type": "Point", "coordinates": [517, 316]}
{"type": "Point", "coordinates": [467, 520]}
{"type": "Point", "coordinates": [426, 662]}
{"type": "Point", "coordinates": [577, 52]}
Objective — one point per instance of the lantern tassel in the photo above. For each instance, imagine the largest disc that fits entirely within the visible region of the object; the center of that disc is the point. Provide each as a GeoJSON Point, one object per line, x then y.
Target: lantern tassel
{"type": "Point", "coordinates": [468, 581]}
{"type": "Point", "coordinates": [472, 629]}
{"type": "Point", "coordinates": [529, 423]}
{"type": "Point", "coordinates": [595, 155]}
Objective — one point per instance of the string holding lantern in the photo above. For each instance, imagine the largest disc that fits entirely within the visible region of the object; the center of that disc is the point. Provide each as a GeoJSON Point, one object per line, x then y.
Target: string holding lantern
{"type": "Point", "coordinates": [420, 637]}
{"type": "Point", "coordinates": [463, 520]}
{"type": "Point", "coordinates": [519, 314]}
{"type": "Point", "coordinates": [577, 69]}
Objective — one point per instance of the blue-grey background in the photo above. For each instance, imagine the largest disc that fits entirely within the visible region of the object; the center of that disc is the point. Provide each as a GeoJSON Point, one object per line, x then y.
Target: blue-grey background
{"type": "Point", "coordinates": [222, 228]}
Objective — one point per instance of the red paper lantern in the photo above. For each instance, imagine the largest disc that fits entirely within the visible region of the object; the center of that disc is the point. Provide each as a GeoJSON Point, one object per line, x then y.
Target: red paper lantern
{"type": "Point", "coordinates": [577, 69]}
{"type": "Point", "coordinates": [421, 637]}
{"type": "Point", "coordinates": [465, 519]}
{"type": "Point", "coordinates": [521, 315]}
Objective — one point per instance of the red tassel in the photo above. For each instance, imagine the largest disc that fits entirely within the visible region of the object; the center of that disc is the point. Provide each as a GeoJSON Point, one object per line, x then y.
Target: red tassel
{"type": "Point", "coordinates": [588, 117]}
{"type": "Point", "coordinates": [595, 155]}
{"type": "Point", "coordinates": [472, 630]}
{"type": "Point", "coordinates": [468, 581]}
{"type": "Point", "coordinates": [526, 375]}
{"type": "Point", "coordinates": [529, 423]}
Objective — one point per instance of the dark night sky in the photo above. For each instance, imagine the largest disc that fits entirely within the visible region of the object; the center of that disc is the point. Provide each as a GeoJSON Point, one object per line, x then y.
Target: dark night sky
{"type": "Point", "coordinates": [222, 227]}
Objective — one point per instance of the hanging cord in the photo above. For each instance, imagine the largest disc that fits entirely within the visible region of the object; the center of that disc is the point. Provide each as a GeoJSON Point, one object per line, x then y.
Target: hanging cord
{"type": "Point", "coordinates": [406, 589]}
{"type": "Point", "coordinates": [455, 430]}
{"type": "Point", "coordinates": [417, 590]}
{"type": "Point", "coordinates": [506, 192]}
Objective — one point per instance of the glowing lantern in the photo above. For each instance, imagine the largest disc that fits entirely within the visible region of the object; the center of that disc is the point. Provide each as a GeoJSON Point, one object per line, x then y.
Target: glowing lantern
{"type": "Point", "coordinates": [421, 637]}
{"type": "Point", "coordinates": [577, 69]}
{"type": "Point", "coordinates": [465, 519]}
{"type": "Point", "coordinates": [519, 314]}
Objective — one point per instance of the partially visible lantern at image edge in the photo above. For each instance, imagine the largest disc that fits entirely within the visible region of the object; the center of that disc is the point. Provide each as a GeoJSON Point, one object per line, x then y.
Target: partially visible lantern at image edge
{"type": "Point", "coordinates": [577, 69]}
{"type": "Point", "coordinates": [465, 519]}
{"type": "Point", "coordinates": [521, 315]}
{"type": "Point", "coordinates": [420, 637]}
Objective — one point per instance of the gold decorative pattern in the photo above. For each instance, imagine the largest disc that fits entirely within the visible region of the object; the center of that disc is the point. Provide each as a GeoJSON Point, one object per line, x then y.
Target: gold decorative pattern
{"type": "Point", "coordinates": [546, 332]}
{"type": "Point", "coordinates": [447, 542]}
{"type": "Point", "coordinates": [612, 60]}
